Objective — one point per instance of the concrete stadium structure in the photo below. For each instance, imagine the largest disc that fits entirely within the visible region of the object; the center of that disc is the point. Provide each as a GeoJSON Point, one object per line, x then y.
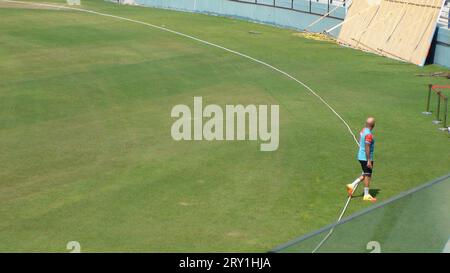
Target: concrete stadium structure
{"type": "Point", "coordinates": [299, 15]}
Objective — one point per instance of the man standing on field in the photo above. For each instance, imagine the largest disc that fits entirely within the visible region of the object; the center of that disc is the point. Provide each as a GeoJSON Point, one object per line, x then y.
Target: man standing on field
{"type": "Point", "coordinates": [365, 158]}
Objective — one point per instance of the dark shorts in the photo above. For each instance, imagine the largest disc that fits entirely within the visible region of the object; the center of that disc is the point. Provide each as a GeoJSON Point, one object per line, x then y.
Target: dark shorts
{"type": "Point", "coordinates": [366, 170]}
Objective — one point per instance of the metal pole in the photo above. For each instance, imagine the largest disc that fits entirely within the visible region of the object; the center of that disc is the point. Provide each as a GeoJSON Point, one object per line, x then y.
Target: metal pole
{"type": "Point", "coordinates": [430, 86]}
{"type": "Point", "coordinates": [438, 106]}
{"type": "Point", "coordinates": [328, 6]}
{"type": "Point", "coordinates": [445, 127]}
{"type": "Point", "coordinates": [310, 8]}
{"type": "Point", "coordinates": [427, 109]}
{"type": "Point", "coordinates": [437, 120]}
{"type": "Point", "coordinates": [292, 4]}
{"type": "Point", "coordinates": [445, 112]}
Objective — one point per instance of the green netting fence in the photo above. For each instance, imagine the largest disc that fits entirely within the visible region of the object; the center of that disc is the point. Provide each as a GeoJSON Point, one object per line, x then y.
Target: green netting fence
{"type": "Point", "coordinates": [414, 221]}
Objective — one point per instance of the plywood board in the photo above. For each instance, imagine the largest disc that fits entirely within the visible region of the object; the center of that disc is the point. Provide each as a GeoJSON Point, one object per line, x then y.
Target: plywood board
{"type": "Point", "coordinates": [400, 29]}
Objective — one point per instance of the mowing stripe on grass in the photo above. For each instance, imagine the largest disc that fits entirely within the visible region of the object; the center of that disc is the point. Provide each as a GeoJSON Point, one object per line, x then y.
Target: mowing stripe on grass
{"type": "Point", "coordinates": [230, 51]}
{"type": "Point", "coordinates": [204, 42]}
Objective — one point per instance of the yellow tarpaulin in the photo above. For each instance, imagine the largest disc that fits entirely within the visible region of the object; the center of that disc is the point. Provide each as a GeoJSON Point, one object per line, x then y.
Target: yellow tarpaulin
{"type": "Point", "coordinates": [400, 29]}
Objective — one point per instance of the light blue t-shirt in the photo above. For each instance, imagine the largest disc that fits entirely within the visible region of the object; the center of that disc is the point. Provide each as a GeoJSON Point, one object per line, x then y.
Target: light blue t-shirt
{"type": "Point", "coordinates": [366, 137]}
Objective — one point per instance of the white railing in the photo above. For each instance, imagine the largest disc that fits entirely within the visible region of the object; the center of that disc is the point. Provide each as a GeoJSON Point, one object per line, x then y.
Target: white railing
{"type": "Point", "coordinates": [444, 17]}
{"type": "Point", "coordinates": [339, 3]}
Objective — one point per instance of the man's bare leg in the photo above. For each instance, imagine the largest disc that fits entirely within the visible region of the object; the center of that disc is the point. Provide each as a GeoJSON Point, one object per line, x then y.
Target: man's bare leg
{"type": "Point", "coordinates": [366, 181]}
{"type": "Point", "coordinates": [366, 184]}
{"type": "Point", "coordinates": [367, 196]}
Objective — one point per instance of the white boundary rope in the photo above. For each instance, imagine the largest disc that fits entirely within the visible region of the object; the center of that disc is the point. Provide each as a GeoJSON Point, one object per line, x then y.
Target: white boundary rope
{"type": "Point", "coordinates": [225, 49]}
{"type": "Point", "coordinates": [339, 219]}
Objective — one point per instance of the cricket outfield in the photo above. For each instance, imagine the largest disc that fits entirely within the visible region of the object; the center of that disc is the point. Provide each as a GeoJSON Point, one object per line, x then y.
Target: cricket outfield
{"type": "Point", "coordinates": [85, 131]}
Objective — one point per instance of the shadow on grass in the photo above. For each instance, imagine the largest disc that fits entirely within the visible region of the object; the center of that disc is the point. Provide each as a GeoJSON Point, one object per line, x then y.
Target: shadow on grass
{"type": "Point", "coordinates": [373, 192]}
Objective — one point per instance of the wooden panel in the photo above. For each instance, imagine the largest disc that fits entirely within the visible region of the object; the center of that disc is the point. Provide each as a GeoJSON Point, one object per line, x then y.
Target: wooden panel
{"type": "Point", "coordinates": [399, 29]}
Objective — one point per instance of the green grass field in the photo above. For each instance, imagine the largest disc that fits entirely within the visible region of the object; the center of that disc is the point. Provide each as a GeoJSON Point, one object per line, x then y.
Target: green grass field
{"type": "Point", "coordinates": [86, 152]}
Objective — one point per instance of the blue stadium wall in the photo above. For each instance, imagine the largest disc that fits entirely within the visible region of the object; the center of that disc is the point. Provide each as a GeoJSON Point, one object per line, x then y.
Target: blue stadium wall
{"type": "Point", "coordinates": [440, 50]}
{"type": "Point", "coordinates": [300, 18]}
{"type": "Point", "coordinates": [278, 16]}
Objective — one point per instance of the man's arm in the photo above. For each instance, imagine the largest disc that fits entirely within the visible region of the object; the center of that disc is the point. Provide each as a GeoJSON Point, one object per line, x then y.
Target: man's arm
{"type": "Point", "coordinates": [368, 141]}
{"type": "Point", "coordinates": [369, 160]}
